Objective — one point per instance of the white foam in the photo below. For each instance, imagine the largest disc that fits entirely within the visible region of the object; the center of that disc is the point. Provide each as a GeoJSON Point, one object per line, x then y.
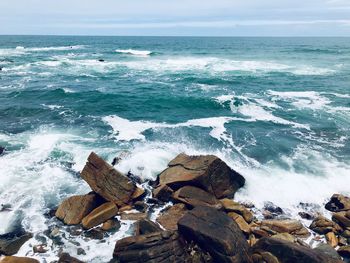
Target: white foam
{"type": "Point", "coordinates": [224, 98]}
{"type": "Point", "coordinates": [134, 52]}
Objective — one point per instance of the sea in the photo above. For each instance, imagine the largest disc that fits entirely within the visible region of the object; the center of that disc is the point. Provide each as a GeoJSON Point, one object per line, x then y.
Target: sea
{"type": "Point", "coordinates": [277, 110]}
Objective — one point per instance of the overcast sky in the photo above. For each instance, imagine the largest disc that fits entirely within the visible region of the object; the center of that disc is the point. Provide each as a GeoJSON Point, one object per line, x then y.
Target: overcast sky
{"type": "Point", "coordinates": [176, 17]}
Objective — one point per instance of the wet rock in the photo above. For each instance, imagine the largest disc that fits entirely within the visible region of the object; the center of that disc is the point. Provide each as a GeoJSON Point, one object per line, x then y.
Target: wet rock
{"type": "Point", "coordinates": [125, 208]}
{"type": "Point", "coordinates": [2, 150]}
{"type": "Point", "coordinates": [146, 226]}
{"type": "Point", "coordinates": [242, 224]}
{"type": "Point", "coordinates": [95, 233]}
{"type": "Point", "coordinates": [140, 206]}
{"type": "Point", "coordinates": [107, 182]}
{"type": "Point", "coordinates": [164, 246]}
{"type": "Point", "coordinates": [338, 203]}
{"type": "Point", "coordinates": [332, 239]}
{"type": "Point", "coordinates": [216, 233]}
{"type": "Point", "coordinates": [344, 251]}
{"type": "Point", "coordinates": [271, 207]}
{"type": "Point", "coordinates": [306, 215]}
{"type": "Point", "coordinates": [170, 217]}
{"type": "Point", "coordinates": [285, 236]}
{"type": "Point", "coordinates": [10, 243]}
{"type": "Point", "coordinates": [232, 206]}
{"type": "Point", "coordinates": [163, 193]}
{"type": "Point", "coordinates": [80, 251]}
{"type": "Point", "coordinates": [194, 196]}
{"type": "Point", "coordinates": [111, 225]}
{"type": "Point", "coordinates": [341, 219]}
{"type": "Point", "coordinates": [133, 216]}
{"type": "Point", "coordinates": [40, 248]}
{"type": "Point", "coordinates": [139, 193]}
{"type": "Point", "coordinates": [290, 226]}
{"type": "Point", "coordinates": [66, 258]}
{"type": "Point", "coordinates": [328, 250]}
{"type": "Point", "coordinates": [100, 215]}
{"type": "Point", "coordinates": [286, 251]}
{"type": "Point", "coordinates": [72, 210]}
{"type": "Point", "coordinates": [13, 259]}
{"type": "Point", "coordinates": [322, 225]}
{"type": "Point", "coordinates": [205, 171]}
{"type": "Point", "coordinates": [101, 60]}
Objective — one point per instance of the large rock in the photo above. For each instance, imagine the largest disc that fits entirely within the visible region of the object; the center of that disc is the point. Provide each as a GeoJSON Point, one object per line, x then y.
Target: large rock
{"type": "Point", "coordinates": [10, 243]}
{"type": "Point", "coordinates": [194, 196]}
{"type": "Point", "coordinates": [216, 233]}
{"type": "Point", "coordinates": [342, 219]}
{"type": "Point", "coordinates": [205, 171]}
{"type": "Point", "coordinates": [163, 246]}
{"type": "Point", "coordinates": [72, 210]}
{"type": "Point", "coordinates": [290, 226]}
{"type": "Point", "coordinates": [322, 225]}
{"type": "Point", "coordinates": [12, 259]}
{"type": "Point", "coordinates": [232, 206]}
{"type": "Point", "coordinates": [107, 182]}
{"type": "Point", "coordinates": [338, 203]}
{"type": "Point", "coordinates": [169, 218]}
{"type": "Point", "coordinates": [99, 215]}
{"type": "Point", "coordinates": [328, 250]}
{"type": "Point", "coordinates": [288, 252]}
{"type": "Point", "coordinates": [66, 258]}
{"type": "Point", "coordinates": [146, 226]}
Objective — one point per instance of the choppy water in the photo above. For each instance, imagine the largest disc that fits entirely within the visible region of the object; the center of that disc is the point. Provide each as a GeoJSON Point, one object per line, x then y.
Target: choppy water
{"type": "Point", "coordinates": [275, 109]}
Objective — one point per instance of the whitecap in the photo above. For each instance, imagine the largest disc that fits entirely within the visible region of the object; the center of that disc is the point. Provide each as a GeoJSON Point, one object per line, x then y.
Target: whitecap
{"type": "Point", "coordinates": [134, 52]}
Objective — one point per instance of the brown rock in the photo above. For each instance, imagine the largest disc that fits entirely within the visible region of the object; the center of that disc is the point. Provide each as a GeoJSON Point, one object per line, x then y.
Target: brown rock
{"type": "Point", "coordinates": [341, 219]}
{"type": "Point", "coordinates": [169, 218]}
{"type": "Point", "coordinates": [290, 226]}
{"type": "Point", "coordinates": [13, 259]}
{"type": "Point", "coordinates": [100, 215]}
{"type": "Point", "coordinates": [285, 236]}
{"type": "Point", "coordinates": [331, 239]}
{"type": "Point", "coordinates": [138, 193]}
{"type": "Point", "coordinates": [243, 225]}
{"type": "Point", "coordinates": [344, 251]}
{"type": "Point", "coordinates": [66, 258]}
{"type": "Point", "coordinates": [110, 225]}
{"type": "Point", "coordinates": [216, 233]}
{"type": "Point", "coordinates": [194, 196]}
{"type": "Point", "coordinates": [107, 182]}
{"type": "Point", "coordinates": [232, 206]}
{"type": "Point", "coordinates": [146, 226]}
{"type": "Point", "coordinates": [328, 250]}
{"type": "Point", "coordinates": [206, 171]}
{"type": "Point", "coordinates": [163, 193]}
{"type": "Point", "coordinates": [125, 208]}
{"type": "Point", "coordinates": [72, 210]}
{"type": "Point", "coordinates": [133, 216]}
{"type": "Point", "coordinates": [322, 225]}
{"type": "Point", "coordinates": [11, 243]}
{"type": "Point", "coordinates": [338, 203]}
{"type": "Point", "coordinates": [164, 246]}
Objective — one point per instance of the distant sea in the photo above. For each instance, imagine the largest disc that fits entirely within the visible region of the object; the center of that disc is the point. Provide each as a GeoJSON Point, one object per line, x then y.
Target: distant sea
{"type": "Point", "coordinates": [275, 109]}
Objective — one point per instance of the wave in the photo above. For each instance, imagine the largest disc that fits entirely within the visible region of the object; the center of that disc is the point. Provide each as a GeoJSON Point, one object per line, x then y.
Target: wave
{"type": "Point", "coordinates": [20, 50]}
{"type": "Point", "coordinates": [134, 52]}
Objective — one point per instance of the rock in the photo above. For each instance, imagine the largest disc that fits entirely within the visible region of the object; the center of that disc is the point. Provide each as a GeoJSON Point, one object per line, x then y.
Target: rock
{"type": "Point", "coordinates": [40, 248]}
{"type": "Point", "coordinates": [125, 208]}
{"type": "Point", "coordinates": [140, 206]}
{"type": "Point", "coordinates": [133, 216]}
{"type": "Point", "coordinates": [146, 226]}
{"type": "Point", "coordinates": [95, 233]}
{"type": "Point", "coordinates": [216, 233]}
{"type": "Point", "coordinates": [338, 203]}
{"type": "Point", "coordinates": [290, 226]}
{"type": "Point", "coordinates": [322, 225]}
{"type": "Point", "coordinates": [13, 259]}
{"type": "Point", "coordinates": [66, 258]}
{"type": "Point", "coordinates": [139, 192]}
{"type": "Point", "coordinates": [263, 256]}
{"type": "Point", "coordinates": [205, 171]}
{"type": "Point", "coordinates": [288, 252]}
{"type": "Point", "coordinates": [164, 246]}
{"type": "Point", "coordinates": [2, 150]}
{"type": "Point", "coordinates": [101, 60]}
{"type": "Point", "coordinates": [328, 250]}
{"type": "Point", "coordinates": [99, 215]}
{"type": "Point", "coordinates": [107, 182]}
{"type": "Point", "coordinates": [242, 224]}
{"type": "Point", "coordinates": [80, 251]}
{"type": "Point", "coordinates": [272, 208]}
{"type": "Point", "coordinates": [341, 219]}
{"type": "Point", "coordinates": [344, 251]}
{"type": "Point", "coordinates": [285, 236]}
{"type": "Point", "coordinates": [111, 225]}
{"type": "Point", "coordinates": [163, 193]}
{"type": "Point", "coordinates": [169, 218]}
{"type": "Point", "coordinates": [306, 215]}
{"type": "Point", "coordinates": [72, 210]}
{"type": "Point", "coordinates": [10, 243]}
{"type": "Point", "coordinates": [232, 206]}
{"type": "Point", "coordinates": [194, 196]}
{"type": "Point", "coordinates": [331, 239]}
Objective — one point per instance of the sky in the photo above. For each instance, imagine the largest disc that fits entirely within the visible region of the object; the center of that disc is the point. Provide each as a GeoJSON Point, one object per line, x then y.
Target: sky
{"type": "Point", "coordinates": [176, 17]}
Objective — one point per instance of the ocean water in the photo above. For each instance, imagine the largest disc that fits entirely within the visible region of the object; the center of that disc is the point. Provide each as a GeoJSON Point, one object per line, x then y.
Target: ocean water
{"type": "Point", "coordinates": [275, 109]}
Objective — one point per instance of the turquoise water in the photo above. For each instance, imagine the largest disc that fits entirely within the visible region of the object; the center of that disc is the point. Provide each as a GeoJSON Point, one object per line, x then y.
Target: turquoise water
{"type": "Point", "coordinates": [276, 109]}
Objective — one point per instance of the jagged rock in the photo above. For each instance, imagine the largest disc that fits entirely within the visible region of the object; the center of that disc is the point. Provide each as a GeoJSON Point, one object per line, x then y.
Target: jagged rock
{"type": "Point", "coordinates": [99, 215]}
{"type": "Point", "coordinates": [66, 258]}
{"type": "Point", "coordinates": [107, 182]}
{"type": "Point", "coordinates": [328, 250]}
{"type": "Point", "coordinates": [288, 252]}
{"type": "Point", "coordinates": [110, 225]}
{"type": "Point", "coordinates": [10, 243]}
{"type": "Point", "coordinates": [133, 216]}
{"type": "Point", "coordinates": [163, 193]}
{"type": "Point", "coordinates": [344, 251]}
{"type": "Point", "coordinates": [242, 224]}
{"type": "Point", "coordinates": [331, 239]}
{"type": "Point", "coordinates": [194, 196]}
{"type": "Point", "coordinates": [72, 210]}
{"type": "Point", "coordinates": [322, 225]}
{"type": "Point", "coordinates": [146, 226]}
{"type": "Point", "coordinates": [338, 203]}
{"type": "Point", "coordinates": [232, 206]}
{"type": "Point", "coordinates": [290, 226]}
{"type": "Point", "coordinates": [216, 233]}
{"type": "Point", "coordinates": [341, 219]}
{"type": "Point", "coordinates": [164, 246]}
{"type": "Point", "coordinates": [169, 218]}
{"type": "Point", "coordinates": [205, 171]}
{"type": "Point", "coordinates": [13, 259]}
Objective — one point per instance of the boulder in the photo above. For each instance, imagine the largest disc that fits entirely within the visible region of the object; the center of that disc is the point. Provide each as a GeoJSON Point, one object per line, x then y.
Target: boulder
{"type": "Point", "coordinates": [205, 171]}
{"type": "Point", "coordinates": [133, 216]}
{"type": "Point", "coordinates": [288, 252]}
{"type": "Point", "coordinates": [338, 203]}
{"type": "Point", "coordinates": [328, 250]}
{"type": "Point", "coordinates": [169, 218]}
{"type": "Point", "coordinates": [72, 210]}
{"type": "Point", "coordinates": [242, 224]}
{"type": "Point", "coordinates": [216, 233]}
{"type": "Point", "coordinates": [12, 259]}
{"type": "Point", "coordinates": [290, 226]}
{"type": "Point", "coordinates": [341, 219]}
{"type": "Point", "coordinates": [163, 193]}
{"type": "Point", "coordinates": [146, 226]}
{"type": "Point", "coordinates": [66, 258]}
{"type": "Point", "coordinates": [139, 192]}
{"type": "Point", "coordinates": [99, 215]}
{"type": "Point", "coordinates": [322, 225]}
{"type": "Point", "coordinates": [232, 206]}
{"type": "Point", "coordinates": [344, 251]}
{"type": "Point", "coordinates": [163, 246]}
{"type": "Point", "coordinates": [285, 236]}
{"type": "Point", "coordinates": [107, 182]}
{"type": "Point", "coordinates": [194, 196]}
{"type": "Point", "coordinates": [331, 238]}
{"type": "Point", "coordinates": [11, 243]}
{"type": "Point", "coordinates": [111, 224]}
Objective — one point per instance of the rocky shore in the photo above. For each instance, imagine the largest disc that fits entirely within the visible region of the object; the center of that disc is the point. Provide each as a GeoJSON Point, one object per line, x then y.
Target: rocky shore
{"type": "Point", "coordinates": [199, 221]}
